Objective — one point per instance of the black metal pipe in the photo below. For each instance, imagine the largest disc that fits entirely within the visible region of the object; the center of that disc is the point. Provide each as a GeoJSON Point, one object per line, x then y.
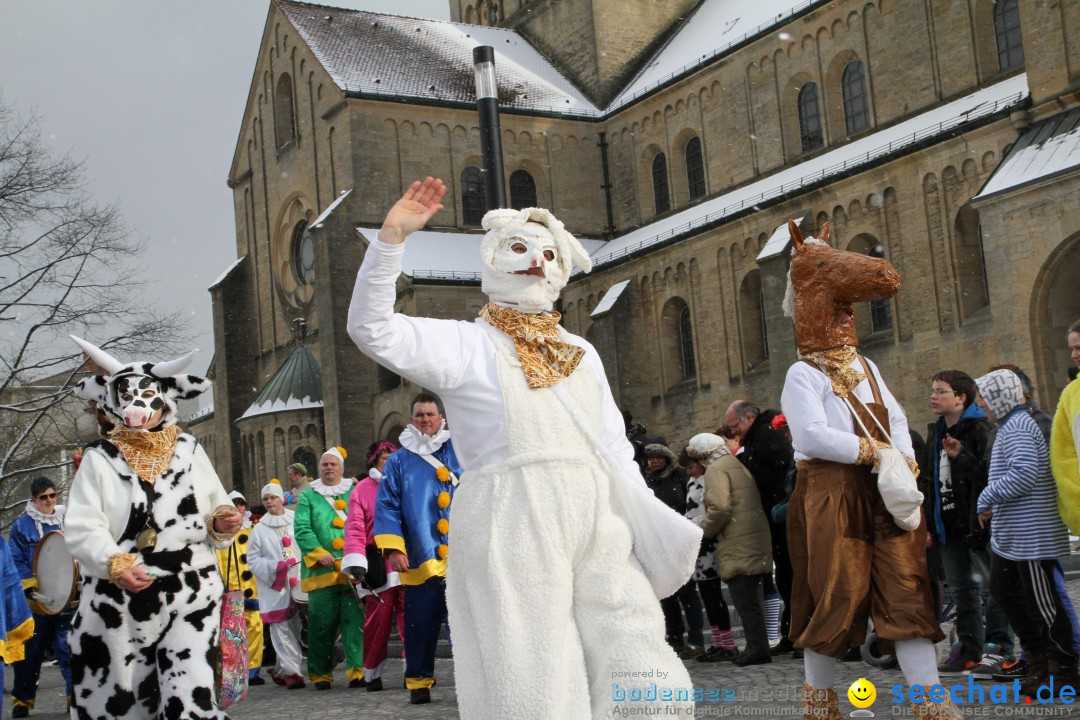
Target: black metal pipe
{"type": "Point", "coordinates": [487, 110]}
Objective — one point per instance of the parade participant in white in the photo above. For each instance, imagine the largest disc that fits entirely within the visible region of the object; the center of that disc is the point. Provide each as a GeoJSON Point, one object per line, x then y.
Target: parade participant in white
{"type": "Point", "coordinates": [145, 512]}
{"type": "Point", "coordinates": [550, 487]}
{"type": "Point", "coordinates": [274, 558]}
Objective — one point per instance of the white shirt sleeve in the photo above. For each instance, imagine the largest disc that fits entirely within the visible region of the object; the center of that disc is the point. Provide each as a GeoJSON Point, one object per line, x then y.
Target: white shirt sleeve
{"type": "Point", "coordinates": [803, 404]}
{"type": "Point", "coordinates": [430, 352]}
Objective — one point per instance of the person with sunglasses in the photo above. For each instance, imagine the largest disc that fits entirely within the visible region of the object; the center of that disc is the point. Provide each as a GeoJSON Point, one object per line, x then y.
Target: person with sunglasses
{"type": "Point", "coordinates": [43, 515]}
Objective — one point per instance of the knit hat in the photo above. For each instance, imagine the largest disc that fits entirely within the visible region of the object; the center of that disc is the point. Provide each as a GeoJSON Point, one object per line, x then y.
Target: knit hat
{"type": "Point", "coordinates": [272, 488]}
{"type": "Point", "coordinates": [237, 495]}
{"type": "Point", "coordinates": [299, 467]}
{"type": "Point", "coordinates": [1002, 392]}
{"type": "Point", "coordinates": [338, 452]}
{"type": "Point", "coordinates": [707, 447]}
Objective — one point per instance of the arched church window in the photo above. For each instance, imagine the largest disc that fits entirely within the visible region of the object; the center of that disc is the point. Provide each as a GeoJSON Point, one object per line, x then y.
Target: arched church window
{"type": "Point", "coordinates": [856, 108]}
{"type": "Point", "coordinates": [522, 190]}
{"type": "Point", "coordinates": [695, 169]}
{"type": "Point", "coordinates": [284, 114]}
{"type": "Point", "coordinates": [473, 202]}
{"type": "Point", "coordinates": [809, 118]}
{"type": "Point", "coordinates": [1010, 43]}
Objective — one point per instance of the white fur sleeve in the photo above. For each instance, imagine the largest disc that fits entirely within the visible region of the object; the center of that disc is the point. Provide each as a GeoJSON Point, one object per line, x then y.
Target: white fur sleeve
{"type": "Point", "coordinates": [430, 352]}
{"type": "Point", "coordinates": [86, 525]}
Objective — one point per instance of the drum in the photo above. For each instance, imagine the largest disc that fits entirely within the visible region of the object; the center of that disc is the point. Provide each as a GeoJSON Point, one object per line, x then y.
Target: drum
{"type": "Point", "coordinates": [57, 575]}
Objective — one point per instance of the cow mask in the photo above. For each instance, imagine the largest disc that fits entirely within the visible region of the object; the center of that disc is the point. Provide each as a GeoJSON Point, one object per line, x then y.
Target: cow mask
{"type": "Point", "coordinates": [132, 392]}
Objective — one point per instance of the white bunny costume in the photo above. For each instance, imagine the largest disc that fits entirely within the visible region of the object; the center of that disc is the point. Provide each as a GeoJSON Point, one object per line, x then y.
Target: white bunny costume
{"type": "Point", "coordinates": [550, 607]}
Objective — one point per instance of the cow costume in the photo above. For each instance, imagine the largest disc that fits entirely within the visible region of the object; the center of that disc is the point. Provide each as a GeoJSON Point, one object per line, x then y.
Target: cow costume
{"type": "Point", "coordinates": [547, 596]}
{"type": "Point", "coordinates": [145, 499]}
{"type": "Point", "coordinates": [850, 559]}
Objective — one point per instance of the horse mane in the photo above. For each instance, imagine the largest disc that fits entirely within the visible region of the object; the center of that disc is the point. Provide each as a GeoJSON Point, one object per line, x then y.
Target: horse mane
{"type": "Point", "coordinates": [788, 305]}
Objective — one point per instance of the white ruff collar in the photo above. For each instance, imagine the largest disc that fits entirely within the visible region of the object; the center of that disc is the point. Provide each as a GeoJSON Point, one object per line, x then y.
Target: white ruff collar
{"type": "Point", "coordinates": [332, 490]}
{"type": "Point", "coordinates": [421, 444]}
{"type": "Point", "coordinates": [276, 521]}
{"type": "Point", "coordinates": [57, 518]}
{"type": "Point", "coordinates": [374, 474]}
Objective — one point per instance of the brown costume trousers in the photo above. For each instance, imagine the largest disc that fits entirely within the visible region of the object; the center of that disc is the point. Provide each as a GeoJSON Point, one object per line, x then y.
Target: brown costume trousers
{"type": "Point", "coordinates": [850, 561]}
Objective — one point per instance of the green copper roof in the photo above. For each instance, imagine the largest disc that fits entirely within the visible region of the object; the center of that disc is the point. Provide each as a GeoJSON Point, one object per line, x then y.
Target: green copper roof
{"type": "Point", "coordinates": [297, 385]}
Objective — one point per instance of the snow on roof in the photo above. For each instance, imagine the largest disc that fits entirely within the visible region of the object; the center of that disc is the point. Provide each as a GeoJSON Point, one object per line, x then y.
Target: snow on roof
{"type": "Point", "coordinates": [715, 27]}
{"type": "Point", "coordinates": [221, 278]}
{"type": "Point", "coordinates": [864, 151]}
{"type": "Point", "coordinates": [296, 385]}
{"type": "Point", "coordinates": [434, 255]}
{"type": "Point", "coordinates": [330, 208]}
{"type": "Point", "coordinates": [778, 241]}
{"type": "Point", "coordinates": [1045, 149]}
{"type": "Point", "coordinates": [608, 301]}
{"type": "Point", "coordinates": [387, 55]}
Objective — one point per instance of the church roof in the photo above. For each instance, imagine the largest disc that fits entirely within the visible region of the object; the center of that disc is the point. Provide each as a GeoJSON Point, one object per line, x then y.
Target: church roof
{"type": "Point", "coordinates": [376, 55]}
{"type": "Point", "coordinates": [714, 28]}
{"type": "Point", "coordinates": [297, 385]}
{"type": "Point", "coordinates": [1046, 150]}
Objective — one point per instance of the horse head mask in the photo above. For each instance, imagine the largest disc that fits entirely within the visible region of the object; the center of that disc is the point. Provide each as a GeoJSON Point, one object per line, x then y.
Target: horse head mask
{"type": "Point", "coordinates": [823, 286]}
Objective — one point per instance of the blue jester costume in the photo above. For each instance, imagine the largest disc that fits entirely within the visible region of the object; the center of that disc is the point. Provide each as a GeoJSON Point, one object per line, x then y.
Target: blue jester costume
{"type": "Point", "coordinates": [16, 622]}
{"type": "Point", "coordinates": [412, 515]}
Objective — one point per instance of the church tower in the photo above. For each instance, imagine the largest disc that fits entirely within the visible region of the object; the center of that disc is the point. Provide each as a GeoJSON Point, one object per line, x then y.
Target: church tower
{"type": "Point", "coordinates": [597, 44]}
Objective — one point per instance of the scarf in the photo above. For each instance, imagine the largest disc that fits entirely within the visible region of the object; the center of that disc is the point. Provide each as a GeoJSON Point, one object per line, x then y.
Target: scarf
{"type": "Point", "coordinates": [835, 364]}
{"type": "Point", "coordinates": [147, 453]}
{"type": "Point", "coordinates": [544, 359]}
{"type": "Point", "coordinates": [421, 444]}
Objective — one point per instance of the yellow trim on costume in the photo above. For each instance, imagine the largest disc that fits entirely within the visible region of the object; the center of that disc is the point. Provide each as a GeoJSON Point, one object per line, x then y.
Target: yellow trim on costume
{"type": "Point", "coordinates": [29, 583]}
{"type": "Point", "coordinates": [313, 557]}
{"type": "Point", "coordinates": [321, 678]}
{"type": "Point", "coordinates": [318, 582]}
{"type": "Point", "coordinates": [16, 702]}
{"type": "Point", "coordinates": [14, 648]}
{"type": "Point", "coordinates": [389, 542]}
{"type": "Point", "coordinates": [418, 683]}
{"type": "Point", "coordinates": [434, 567]}
{"type": "Point", "coordinates": [354, 674]}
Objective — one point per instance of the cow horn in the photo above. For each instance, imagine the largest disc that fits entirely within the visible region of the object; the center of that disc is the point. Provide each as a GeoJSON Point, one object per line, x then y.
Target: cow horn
{"type": "Point", "coordinates": [172, 367]}
{"type": "Point", "coordinates": [103, 359]}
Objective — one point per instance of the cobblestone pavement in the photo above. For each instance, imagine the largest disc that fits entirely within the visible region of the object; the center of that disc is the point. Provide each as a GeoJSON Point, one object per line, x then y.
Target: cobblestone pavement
{"type": "Point", "coordinates": [764, 691]}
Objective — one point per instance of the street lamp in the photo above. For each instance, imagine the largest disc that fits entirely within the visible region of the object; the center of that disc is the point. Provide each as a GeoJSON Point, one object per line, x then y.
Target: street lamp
{"type": "Point", "coordinates": [487, 109]}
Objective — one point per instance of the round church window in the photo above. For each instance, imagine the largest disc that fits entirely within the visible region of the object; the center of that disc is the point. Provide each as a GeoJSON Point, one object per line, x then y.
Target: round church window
{"type": "Point", "coordinates": [303, 252]}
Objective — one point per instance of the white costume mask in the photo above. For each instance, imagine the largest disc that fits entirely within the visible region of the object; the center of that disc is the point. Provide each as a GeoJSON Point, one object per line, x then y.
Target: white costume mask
{"type": "Point", "coordinates": [527, 258]}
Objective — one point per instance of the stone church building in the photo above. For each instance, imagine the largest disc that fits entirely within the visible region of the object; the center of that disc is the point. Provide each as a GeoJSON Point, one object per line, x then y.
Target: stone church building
{"type": "Point", "coordinates": [676, 138]}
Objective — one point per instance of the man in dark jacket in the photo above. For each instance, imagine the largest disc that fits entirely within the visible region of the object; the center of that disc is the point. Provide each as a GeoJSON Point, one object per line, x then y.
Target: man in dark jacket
{"type": "Point", "coordinates": [767, 454]}
{"type": "Point", "coordinates": [668, 482]}
{"type": "Point", "coordinates": [958, 458]}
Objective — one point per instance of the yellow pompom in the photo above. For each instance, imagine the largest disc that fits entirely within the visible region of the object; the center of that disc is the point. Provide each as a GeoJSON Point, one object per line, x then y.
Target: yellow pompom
{"type": "Point", "coordinates": [275, 481]}
{"type": "Point", "coordinates": [444, 500]}
{"type": "Point", "coordinates": [338, 543]}
{"type": "Point", "coordinates": [342, 451]}
{"type": "Point", "coordinates": [443, 526]}
{"type": "Point", "coordinates": [443, 551]}
{"type": "Point", "coordinates": [340, 504]}
{"type": "Point", "coordinates": [442, 473]}
{"type": "Point", "coordinates": [338, 523]}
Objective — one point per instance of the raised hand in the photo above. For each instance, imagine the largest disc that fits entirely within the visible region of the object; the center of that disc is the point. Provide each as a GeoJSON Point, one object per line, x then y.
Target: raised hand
{"type": "Point", "coordinates": [412, 212]}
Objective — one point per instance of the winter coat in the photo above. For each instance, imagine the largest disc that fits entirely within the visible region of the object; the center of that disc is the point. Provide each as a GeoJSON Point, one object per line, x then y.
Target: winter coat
{"type": "Point", "coordinates": [767, 454]}
{"type": "Point", "coordinates": [733, 515]}
{"type": "Point", "coordinates": [669, 484]}
{"type": "Point", "coordinates": [968, 471]}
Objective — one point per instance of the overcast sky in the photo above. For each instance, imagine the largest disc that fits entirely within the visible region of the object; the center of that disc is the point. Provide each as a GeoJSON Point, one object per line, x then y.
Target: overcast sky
{"type": "Point", "coordinates": [151, 93]}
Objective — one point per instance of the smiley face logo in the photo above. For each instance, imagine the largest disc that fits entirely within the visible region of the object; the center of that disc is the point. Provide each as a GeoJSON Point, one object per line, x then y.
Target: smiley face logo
{"type": "Point", "coordinates": [862, 693]}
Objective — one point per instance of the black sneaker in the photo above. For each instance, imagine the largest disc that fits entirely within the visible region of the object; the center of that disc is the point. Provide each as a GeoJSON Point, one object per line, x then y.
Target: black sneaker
{"type": "Point", "coordinates": [20, 711]}
{"type": "Point", "coordinates": [420, 696]}
{"type": "Point", "coordinates": [257, 680]}
{"type": "Point", "coordinates": [357, 683]}
{"type": "Point", "coordinates": [782, 648]}
{"type": "Point", "coordinates": [717, 654]}
{"type": "Point", "coordinates": [323, 685]}
{"type": "Point", "coordinates": [1011, 670]}
{"type": "Point", "coordinates": [374, 685]}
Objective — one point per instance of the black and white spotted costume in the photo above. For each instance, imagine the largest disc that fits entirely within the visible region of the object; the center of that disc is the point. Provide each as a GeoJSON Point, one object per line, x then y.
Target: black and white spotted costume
{"type": "Point", "coordinates": [148, 654]}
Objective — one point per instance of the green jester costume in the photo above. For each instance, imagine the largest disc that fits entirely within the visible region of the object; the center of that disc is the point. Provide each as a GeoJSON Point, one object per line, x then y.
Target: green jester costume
{"type": "Point", "coordinates": [319, 528]}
